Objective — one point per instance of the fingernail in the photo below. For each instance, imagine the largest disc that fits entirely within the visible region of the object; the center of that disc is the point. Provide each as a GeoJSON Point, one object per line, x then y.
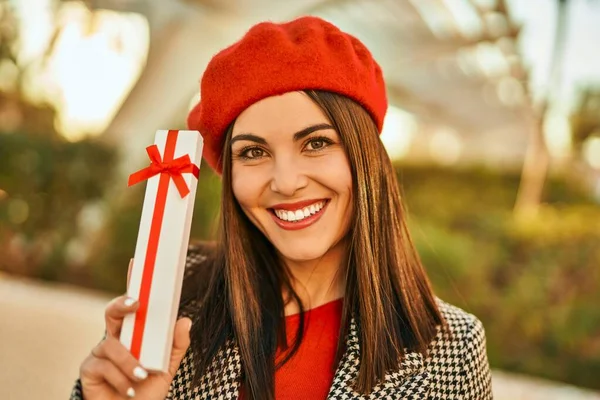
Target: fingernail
{"type": "Point", "coordinates": [140, 373]}
{"type": "Point", "coordinates": [189, 325]}
{"type": "Point", "coordinates": [130, 392]}
{"type": "Point", "coordinates": [129, 302]}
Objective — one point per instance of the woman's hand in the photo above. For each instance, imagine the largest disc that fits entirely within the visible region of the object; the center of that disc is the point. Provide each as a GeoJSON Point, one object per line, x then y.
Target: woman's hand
{"type": "Point", "coordinates": [111, 372]}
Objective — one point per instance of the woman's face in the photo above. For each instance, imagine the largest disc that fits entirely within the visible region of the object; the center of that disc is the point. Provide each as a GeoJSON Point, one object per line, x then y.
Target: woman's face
{"type": "Point", "coordinates": [291, 175]}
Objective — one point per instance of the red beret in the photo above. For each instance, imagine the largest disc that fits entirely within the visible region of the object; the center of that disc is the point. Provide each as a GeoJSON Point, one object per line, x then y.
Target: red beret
{"type": "Point", "coordinates": [271, 59]}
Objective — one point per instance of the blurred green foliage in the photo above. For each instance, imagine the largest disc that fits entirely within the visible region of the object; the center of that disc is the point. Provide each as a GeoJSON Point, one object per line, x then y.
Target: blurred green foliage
{"type": "Point", "coordinates": [534, 283]}
{"type": "Point", "coordinates": [45, 182]}
{"type": "Point", "coordinates": [585, 117]}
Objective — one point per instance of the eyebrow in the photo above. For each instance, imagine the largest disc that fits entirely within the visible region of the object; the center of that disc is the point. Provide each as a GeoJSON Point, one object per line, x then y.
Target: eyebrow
{"type": "Point", "coordinates": [297, 136]}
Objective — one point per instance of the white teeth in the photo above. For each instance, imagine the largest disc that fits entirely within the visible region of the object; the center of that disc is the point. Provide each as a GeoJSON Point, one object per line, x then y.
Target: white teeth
{"type": "Point", "coordinates": [299, 215]}
{"type": "Point", "coordinates": [291, 216]}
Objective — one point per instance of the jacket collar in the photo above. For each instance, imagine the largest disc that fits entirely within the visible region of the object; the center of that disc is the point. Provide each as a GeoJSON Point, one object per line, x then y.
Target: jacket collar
{"type": "Point", "coordinates": [411, 378]}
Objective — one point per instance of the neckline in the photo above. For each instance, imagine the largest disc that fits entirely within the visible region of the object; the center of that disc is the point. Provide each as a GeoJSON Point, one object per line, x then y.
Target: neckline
{"type": "Point", "coordinates": [323, 308]}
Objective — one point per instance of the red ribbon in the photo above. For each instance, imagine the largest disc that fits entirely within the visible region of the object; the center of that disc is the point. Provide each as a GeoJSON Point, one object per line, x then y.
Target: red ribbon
{"type": "Point", "coordinates": [168, 168]}
{"type": "Point", "coordinates": [174, 169]}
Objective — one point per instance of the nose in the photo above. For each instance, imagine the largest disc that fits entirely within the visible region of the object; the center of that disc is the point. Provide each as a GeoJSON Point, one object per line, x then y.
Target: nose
{"type": "Point", "coordinates": [288, 177]}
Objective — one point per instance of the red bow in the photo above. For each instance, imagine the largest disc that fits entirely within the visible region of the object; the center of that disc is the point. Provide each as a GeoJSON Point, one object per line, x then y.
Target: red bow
{"type": "Point", "coordinates": [174, 168]}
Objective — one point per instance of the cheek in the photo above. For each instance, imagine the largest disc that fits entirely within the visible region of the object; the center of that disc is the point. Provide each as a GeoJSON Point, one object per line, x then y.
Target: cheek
{"type": "Point", "coordinates": [336, 172]}
{"type": "Point", "coordinates": [341, 181]}
{"type": "Point", "coordinates": [242, 188]}
{"type": "Point", "coordinates": [247, 186]}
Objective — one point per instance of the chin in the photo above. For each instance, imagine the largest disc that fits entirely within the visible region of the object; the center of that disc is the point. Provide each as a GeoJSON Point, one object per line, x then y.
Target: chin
{"type": "Point", "coordinates": [302, 252]}
{"type": "Point", "coordinates": [313, 249]}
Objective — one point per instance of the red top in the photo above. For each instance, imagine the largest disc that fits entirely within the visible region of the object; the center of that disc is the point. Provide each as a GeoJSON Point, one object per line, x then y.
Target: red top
{"type": "Point", "coordinates": [309, 373]}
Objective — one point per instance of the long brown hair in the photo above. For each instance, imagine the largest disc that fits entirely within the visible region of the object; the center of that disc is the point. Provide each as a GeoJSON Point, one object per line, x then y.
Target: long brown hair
{"type": "Point", "coordinates": [387, 290]}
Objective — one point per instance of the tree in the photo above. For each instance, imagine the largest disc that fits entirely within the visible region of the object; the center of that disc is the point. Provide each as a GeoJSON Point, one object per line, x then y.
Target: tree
{"type": "Point", "coordinates": [537, 158]}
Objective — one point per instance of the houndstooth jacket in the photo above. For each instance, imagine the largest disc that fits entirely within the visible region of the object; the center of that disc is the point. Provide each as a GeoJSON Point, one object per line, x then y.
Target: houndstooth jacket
{"type": "Point", "coordinates": [456, 366]}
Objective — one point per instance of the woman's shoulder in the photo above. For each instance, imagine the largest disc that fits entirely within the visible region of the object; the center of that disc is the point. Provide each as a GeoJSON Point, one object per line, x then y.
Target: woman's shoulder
{"type": "Point", "coordinates": [458, 320]}
{"type": "Point", "coordinates": [462, 327]}
{"type": "Point", "coordinates": [457, 360]}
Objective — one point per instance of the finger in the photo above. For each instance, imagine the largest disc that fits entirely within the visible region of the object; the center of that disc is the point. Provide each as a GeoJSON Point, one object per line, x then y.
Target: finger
{"type": "Point", "coordinates": [115, 311]}
{"type": "Point", "coordinates": [108, 372]}
{"type": "Point", "coordinates": [129, 272]}
{"type": "Point", "coordinates": [181, 342]}
{"type": "Point", "coordinates": [112, 350]}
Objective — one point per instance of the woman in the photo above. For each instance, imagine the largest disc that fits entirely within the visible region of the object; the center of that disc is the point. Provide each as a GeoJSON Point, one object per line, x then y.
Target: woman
{"type": "Point", "coordinates": [313, 289]}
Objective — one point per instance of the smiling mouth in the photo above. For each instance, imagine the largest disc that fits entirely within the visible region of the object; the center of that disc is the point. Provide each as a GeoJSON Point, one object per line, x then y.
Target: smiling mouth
{"type": "Point", "coordinates": [300, 214]}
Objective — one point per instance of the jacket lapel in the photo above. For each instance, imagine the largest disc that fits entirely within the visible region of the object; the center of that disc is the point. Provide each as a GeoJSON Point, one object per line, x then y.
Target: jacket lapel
{"type": "Point", "coordinates": [410, 381]}
{"type": "Point", "coordinates": [222, 380]}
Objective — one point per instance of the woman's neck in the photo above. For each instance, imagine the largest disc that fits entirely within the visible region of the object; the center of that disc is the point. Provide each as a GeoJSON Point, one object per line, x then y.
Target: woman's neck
{"type": "Point", "coordinates": [317, 282]}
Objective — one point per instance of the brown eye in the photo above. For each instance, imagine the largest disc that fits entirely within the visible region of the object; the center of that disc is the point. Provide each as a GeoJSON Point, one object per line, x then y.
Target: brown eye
{"type": "Point", "coordinates": [251, 153]}
{"type": "Point", "coordinates": [317, 144]}
{"type": "Point", "coordinates": [255, 153]}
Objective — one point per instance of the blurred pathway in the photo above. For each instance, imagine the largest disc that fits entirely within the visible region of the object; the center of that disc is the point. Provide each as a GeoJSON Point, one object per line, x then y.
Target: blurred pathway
{"type": "Point", "coordinates": [46, 330]}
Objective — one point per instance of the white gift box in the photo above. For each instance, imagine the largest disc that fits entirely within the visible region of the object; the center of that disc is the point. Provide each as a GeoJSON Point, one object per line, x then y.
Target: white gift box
{"type": "Point", "coordinates": [163, 238]}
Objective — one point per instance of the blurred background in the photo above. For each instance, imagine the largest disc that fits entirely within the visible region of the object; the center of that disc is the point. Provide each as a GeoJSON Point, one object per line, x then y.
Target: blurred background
{"type": "Point", "coordinates": [494, 128]}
